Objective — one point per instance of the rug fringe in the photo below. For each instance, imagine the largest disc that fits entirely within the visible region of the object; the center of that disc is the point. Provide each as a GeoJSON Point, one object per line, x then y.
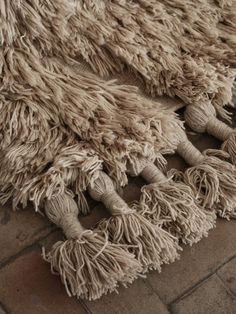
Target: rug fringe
{"type": "Point", "coordinates": [88, 264]}
{"type": "Point", "coordinates": [172, 205]}
{"type": "Point", "coordinates": [202, 118]}
{"type": "Point", "coordinates": [151, 245]}
{"type": "Point", "coordinates": [212, 179]}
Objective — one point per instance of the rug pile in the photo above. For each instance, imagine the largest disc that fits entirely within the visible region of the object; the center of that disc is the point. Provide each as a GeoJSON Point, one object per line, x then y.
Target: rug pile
{"type": "Point", "coordinates": [78, 114]}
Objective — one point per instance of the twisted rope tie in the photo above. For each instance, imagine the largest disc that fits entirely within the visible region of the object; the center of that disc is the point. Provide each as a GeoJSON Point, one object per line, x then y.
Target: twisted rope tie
{"type": "Point", "coordinates": [189, 153]}
{"type": "Point", "coordinates": [71, 227]}
{"type": "Point", "coordinates": [173, 203]}
{"type": "Point", "coordinates": [63, 212]}
{"type": "Point", "coordinates": [218, 129]}
{"type": "Point", "coordinates": [152, 174]}
{"type": "Point", "coordinates": [88, 264]}
{"type": "Point", "coordinates": [102, 190]}
{"type": "Point", "coordinates": [202, 118]}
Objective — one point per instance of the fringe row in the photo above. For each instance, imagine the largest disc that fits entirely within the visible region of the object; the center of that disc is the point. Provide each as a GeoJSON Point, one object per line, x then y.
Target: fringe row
{"type": "Point", "coordinates": [65, 131]}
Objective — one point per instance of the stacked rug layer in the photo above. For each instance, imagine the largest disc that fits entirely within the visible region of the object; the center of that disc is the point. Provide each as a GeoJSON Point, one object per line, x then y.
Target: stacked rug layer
{"type": "Point", "coordinates": [78, 115]}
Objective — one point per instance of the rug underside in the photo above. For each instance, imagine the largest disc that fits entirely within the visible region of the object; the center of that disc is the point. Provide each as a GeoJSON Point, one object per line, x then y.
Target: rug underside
{"type": "Point", "coordinates": [89, 91]}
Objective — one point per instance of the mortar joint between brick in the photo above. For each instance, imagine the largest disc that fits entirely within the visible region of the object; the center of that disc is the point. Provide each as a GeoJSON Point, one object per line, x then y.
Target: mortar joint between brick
{"type": "Point", "coordinates": [226, 285]}
{"type": "Point", "coordinates": [85, 306]}
{"type": "Point", "coordinates": [198, 283]}
{"type": "Point", "coordinates": [25, 250]}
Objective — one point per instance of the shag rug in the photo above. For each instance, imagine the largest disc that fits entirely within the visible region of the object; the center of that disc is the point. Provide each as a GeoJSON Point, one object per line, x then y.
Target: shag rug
{"type": "Point", "coordinates": [79, 114]}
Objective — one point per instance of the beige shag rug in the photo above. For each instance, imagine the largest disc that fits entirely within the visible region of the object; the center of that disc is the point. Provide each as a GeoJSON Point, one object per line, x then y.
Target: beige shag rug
{"type": "Point", "coordinates": [78, 112]}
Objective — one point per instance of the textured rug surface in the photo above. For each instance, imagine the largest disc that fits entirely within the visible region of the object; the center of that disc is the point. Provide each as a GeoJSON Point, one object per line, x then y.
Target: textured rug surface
{"type": "Point", "coordinates": [82, 108]}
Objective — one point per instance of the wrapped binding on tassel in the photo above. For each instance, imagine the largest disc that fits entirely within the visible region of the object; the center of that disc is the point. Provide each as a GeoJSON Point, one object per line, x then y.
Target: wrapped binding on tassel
{"type": "Point", "coordinates": [151, 244]}
{"type": "Point", "coordinates": [173, 204]}
{"type": "Point", "coordinates": [213, 180]}
{"type": "Point", "coordinates": [88, 264]}
{"type": "Point", "coordinates": [202, 118]}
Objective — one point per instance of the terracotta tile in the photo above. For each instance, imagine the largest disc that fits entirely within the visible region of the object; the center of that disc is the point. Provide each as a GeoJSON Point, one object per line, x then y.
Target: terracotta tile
{"type": "Point", "coordinates": [138, 298]}
{"type": "Point", "coordinates": [195, 262]}
{"type": "Point", "coordinates": [97, 213]}
{"type": "Point", "coordinates": [132, 191]}
{"type": "Point", "coordinates": [28, 287]}
{"type": "Point", "coordinates": [176, 162]}
{"type": "Point", "coordinates": [228, 274]}
{"type": "Point", "coordinates": [52, 238]}
{"type": "Point", "coordinates": [20, 229]}
{"type": "Point", "coordinates": [2, 310]}
{"type": "Point", "coordinates": [210, 297]}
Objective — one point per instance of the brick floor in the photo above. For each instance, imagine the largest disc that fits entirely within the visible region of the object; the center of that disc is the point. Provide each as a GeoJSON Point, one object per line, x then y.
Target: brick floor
{"type": "Point", "coordinates": [20, 229]}
{"type": "Point", "coordinates": [27, 287]}
{"type": "Point", "coordinates": [211, 297]}
{"type": "Point", "coordinates": [202, 281]}
{"type": "Point", "coordinates": [2, 311]}
{"type": "Point", "coordinates": [139, 298]}
{"type": "Point", "coordinates": [196, 262]}
{"type": "Point", "coordinates": [227, 273]}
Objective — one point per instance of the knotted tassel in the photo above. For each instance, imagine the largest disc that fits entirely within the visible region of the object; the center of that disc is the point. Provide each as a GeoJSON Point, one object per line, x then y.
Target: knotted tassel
{"type": "Point", "coordinates": [202, 118]}
{"type": "Point", "coordinates": [173, 204]}
{"type": "Point", "coordinates": [213, 180]}
{"type": "Point", "coordinates": [88, 264]}
{"type": "Point", "coordinates": [151, 245]}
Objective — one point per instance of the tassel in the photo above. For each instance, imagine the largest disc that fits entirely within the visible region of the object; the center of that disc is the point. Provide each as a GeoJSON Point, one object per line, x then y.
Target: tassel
{"type": "Point", "coordinates": [202, 118]}
{"type": "Point", "coordinates": [88, 264]}
{"type": "Point", "coordinates": [151, 245]}
{"type": "Point", "coordinates": [173, 204]}
{"type": "Point", "coordinates": [213, 180]}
